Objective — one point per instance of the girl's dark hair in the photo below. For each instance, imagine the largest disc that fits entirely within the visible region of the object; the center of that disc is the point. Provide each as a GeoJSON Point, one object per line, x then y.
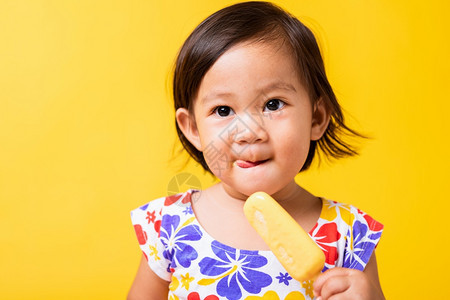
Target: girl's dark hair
{"type": "Point", "coordinates": [259, 21]}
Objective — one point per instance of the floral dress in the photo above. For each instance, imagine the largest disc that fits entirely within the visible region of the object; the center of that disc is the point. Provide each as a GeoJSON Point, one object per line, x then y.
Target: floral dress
{"type": "Point", "coordinates": [179, 250]}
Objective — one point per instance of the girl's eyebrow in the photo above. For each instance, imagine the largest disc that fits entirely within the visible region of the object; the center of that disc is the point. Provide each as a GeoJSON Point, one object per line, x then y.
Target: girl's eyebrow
{"type": "Point", "coordinates": [215, 95]}
{"type": "Point", "coordinates": [279, 85]}
{"type": "Point", "coordinates": [272, 86]}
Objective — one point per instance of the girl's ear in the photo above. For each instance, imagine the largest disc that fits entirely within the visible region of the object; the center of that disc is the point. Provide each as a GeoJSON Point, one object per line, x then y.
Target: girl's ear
{"type": "Point", "coordinates": [186, 122]}
{"type": "Point", "coordinates": [320, 120]}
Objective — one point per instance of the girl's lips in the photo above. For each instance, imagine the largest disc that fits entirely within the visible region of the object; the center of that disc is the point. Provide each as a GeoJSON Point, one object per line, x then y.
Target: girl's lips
{"type": "Point", "coordinates": [248, 164]}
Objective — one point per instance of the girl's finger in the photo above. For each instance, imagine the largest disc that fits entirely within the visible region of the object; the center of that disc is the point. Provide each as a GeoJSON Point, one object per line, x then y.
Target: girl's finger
{"type": "Point", "coordinates": [334, 286]}
{"type": "Point", "coordinates": [324, 277]}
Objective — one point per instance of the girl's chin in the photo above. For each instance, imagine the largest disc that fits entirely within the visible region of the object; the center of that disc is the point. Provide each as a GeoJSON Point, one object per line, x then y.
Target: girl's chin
{"type": "Point", "coordinates": [243, 185]}
{"type": "Point", "coordinates": [244, 189]}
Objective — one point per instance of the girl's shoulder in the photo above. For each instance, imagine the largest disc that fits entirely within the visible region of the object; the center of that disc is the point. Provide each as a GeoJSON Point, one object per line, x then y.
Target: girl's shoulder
{"type": "Point", "coordinates": [346, 215]}
{"type": "Point", "coordinates": [176, 203]}
{"type": "Point", "coordinates": [347, 234]}
{"type": "Point", "coordinates": [156, 223]}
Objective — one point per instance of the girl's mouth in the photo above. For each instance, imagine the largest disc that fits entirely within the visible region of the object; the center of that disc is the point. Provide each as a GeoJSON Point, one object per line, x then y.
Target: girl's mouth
{"type": "Point", "coordinates": [248, 164]}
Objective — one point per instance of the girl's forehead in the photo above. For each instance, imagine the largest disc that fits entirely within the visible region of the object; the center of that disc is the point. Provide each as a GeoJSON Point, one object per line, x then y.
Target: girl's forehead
{"type": "Point", "coordinates": [266, 46]}
{"type": "Point", "coordinates": [261, 60]}
{"type": "Point", "coordinates": [254, 55]}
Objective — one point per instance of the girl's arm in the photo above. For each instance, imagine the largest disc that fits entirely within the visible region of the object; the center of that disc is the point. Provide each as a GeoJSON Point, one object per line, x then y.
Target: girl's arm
{"type": "Point", "coordinates": [343, 283]}
{"type": "Point", "coordinates": [147, 285]}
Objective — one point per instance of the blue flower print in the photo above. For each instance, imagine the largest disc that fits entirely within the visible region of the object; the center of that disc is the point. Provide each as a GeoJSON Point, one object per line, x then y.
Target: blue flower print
{"type": "Point", "coordinates": [234, 269]}
{"type": "Point", "coordinates": [174, 237]}
{"type": "Point", "coordinates": [144, 207]}
{"type": "Point", "coordinates": [284, 278]}
{"type": "Point", "coordinates": [358, 247]}
{"type": "Point", "coordinates": [188, 211]}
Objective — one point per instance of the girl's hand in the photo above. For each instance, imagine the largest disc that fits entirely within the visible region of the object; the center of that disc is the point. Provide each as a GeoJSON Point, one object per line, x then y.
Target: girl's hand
{"type": "Point", "coordinates": [342, 283]}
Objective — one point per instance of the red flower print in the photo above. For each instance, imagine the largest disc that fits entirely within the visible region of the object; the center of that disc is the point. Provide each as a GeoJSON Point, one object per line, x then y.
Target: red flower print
{"type": "Point", "coordinates": [196, 296]}
{"type": "Point", "coordinates": [151, 217]}
{"type": "Point", "coordinates": [141, 234]}
{"type": "Point", "coordinates": [158, 226]}
{"type": "Point", "coordinates": [373, 225]}
{"type": "Point", "coordinates": [172, 199]}
{"type": "Point", "coordinates": [326, 237]}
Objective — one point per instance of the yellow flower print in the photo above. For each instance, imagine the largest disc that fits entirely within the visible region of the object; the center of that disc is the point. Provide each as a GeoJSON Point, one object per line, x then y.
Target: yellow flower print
{"type": "Point", "coordinates": [185, 280]}
{"type": "Point", "coordinates": [295, 296]}
{"type": "Point", "coordinates": [332, 209]}
{"type": "Point", "coordinates": [308, 286]}
{"type": "Point", "coordinates": [174, 284]}
{"type": "Point", "coordinates": [173, 297]}
{"type": "Point", "coordinates": [154, 252]}
{"type": "Point", "coordinates": [271, 295]}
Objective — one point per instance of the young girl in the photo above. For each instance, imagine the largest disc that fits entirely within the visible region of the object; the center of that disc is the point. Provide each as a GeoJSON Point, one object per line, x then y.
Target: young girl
{"type": "Point", "coordinates": [253, 106]}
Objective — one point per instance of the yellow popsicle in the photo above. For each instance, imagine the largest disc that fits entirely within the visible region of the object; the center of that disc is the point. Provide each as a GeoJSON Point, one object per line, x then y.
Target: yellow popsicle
{"type": "Point", "coordinates": [293, 247]}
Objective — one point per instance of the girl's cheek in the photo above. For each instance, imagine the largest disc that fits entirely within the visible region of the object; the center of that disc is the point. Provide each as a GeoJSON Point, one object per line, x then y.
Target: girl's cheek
{"type": "Point", "coordinates": [219, 164]}
{"type": "Point", "coordinates": [217, 159]}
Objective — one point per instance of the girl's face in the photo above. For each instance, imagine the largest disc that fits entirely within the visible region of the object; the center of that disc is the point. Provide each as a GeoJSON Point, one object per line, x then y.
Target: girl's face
{"type": "Point", "coordinates": [253, 119]}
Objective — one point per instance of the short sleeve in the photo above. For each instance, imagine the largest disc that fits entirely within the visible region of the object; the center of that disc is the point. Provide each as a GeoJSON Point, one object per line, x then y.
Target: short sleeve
{"type": "Point", "coordinates": [147, 222]}
{"type": "Point", "coordinates": [361, 240]}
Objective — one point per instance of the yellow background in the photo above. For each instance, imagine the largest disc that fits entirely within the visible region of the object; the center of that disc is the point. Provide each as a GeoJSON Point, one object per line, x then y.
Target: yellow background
{"type": "Point", "coordinates": [87, 133]}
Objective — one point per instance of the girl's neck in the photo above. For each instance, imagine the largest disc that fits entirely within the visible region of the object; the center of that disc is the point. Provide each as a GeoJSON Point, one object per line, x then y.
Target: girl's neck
{"type": "Point", "coordinates": [226, 197]}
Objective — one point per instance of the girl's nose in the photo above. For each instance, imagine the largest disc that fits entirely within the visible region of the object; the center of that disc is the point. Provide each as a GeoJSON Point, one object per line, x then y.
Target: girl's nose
{"type": "Point", "coordinates": [251, 129]}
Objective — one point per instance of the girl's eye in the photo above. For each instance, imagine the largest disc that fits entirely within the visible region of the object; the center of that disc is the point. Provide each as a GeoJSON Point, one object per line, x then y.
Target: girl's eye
{"type": "Point", "coordinates": [273, 105]}
{"type": "Point", "coordinates": [223, 111]}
